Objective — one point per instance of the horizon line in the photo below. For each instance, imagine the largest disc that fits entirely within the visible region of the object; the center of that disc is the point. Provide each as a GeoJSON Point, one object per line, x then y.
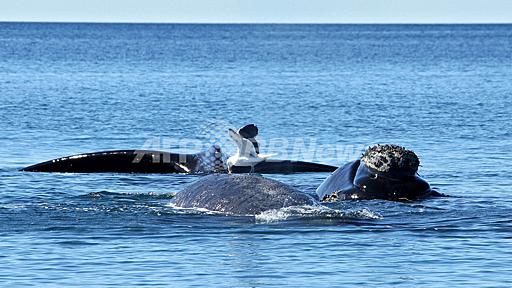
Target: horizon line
{"type": "Point", "coordinates": [257, 23]}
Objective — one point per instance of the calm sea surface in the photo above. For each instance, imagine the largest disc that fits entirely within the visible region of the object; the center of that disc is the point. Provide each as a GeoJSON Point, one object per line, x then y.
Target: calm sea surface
{"type": "Point", "coordinates": [443, 91]}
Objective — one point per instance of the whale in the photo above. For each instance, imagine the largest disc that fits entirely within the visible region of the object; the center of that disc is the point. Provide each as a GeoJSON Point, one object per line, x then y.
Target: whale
{"type": "Point", "coordinates": [240, 194]}
{"type": "Point", "coordinates": [209, 161]}
{"type": "Point", "coordinates": [387, 172]}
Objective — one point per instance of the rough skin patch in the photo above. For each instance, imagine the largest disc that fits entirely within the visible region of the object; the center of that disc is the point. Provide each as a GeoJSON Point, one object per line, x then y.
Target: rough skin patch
{"type": "Point", "coordinates": [390, 158]}
{"type": "Point", "coordinates": [333, 197]}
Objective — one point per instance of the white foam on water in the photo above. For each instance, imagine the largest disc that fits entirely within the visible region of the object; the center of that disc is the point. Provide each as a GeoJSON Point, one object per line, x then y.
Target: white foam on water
{"type": "Point", "coordinates": [193, 210]}
{"type": "Point", "coordinates": [313, 211]}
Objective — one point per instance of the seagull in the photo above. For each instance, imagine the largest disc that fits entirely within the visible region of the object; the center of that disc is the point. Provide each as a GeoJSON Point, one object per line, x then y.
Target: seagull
{"type": "Point", "coordinates": [246, 153]}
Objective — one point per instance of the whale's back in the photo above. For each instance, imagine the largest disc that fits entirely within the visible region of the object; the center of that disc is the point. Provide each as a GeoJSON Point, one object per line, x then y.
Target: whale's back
{"type": "Point", "coordinates": [240, 194]}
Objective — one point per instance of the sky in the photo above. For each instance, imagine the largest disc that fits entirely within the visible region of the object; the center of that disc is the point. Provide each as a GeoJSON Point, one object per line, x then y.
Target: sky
{"type": "Point", "coordinates": [259, 11]}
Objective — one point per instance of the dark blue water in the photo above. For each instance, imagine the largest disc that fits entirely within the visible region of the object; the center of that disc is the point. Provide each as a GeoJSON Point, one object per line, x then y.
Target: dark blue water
{"type": "Point", "coordinates": [316, 92]}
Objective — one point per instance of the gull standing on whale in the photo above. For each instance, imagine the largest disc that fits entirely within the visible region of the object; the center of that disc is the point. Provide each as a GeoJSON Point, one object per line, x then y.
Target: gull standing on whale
{"type": "Point", "coordinates": [246, 154]}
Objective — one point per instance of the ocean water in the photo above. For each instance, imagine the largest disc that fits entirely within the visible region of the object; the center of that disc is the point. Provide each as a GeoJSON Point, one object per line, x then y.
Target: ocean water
{"type": "Point", "coordinates": [317, 92]}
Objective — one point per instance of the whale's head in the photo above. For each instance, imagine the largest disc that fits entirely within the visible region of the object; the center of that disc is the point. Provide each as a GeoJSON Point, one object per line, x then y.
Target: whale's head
{"type": "Point", "coordinates": [384, 172]}
{"type": "Point", "coordinates": [390, 172]}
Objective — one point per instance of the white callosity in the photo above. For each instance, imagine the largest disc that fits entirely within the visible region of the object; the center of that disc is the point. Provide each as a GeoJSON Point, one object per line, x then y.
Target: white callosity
{"type": "Point", "coordinates": [387, 158]}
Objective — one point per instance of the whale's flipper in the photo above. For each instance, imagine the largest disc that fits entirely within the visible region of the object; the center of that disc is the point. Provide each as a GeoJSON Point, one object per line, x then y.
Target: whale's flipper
{"type": "Point", "coordinates": [149, 161]}
{"type": "Point", "coordinates": [273, 166]}
{"type": "Point", "coordinates": [120, 161]}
